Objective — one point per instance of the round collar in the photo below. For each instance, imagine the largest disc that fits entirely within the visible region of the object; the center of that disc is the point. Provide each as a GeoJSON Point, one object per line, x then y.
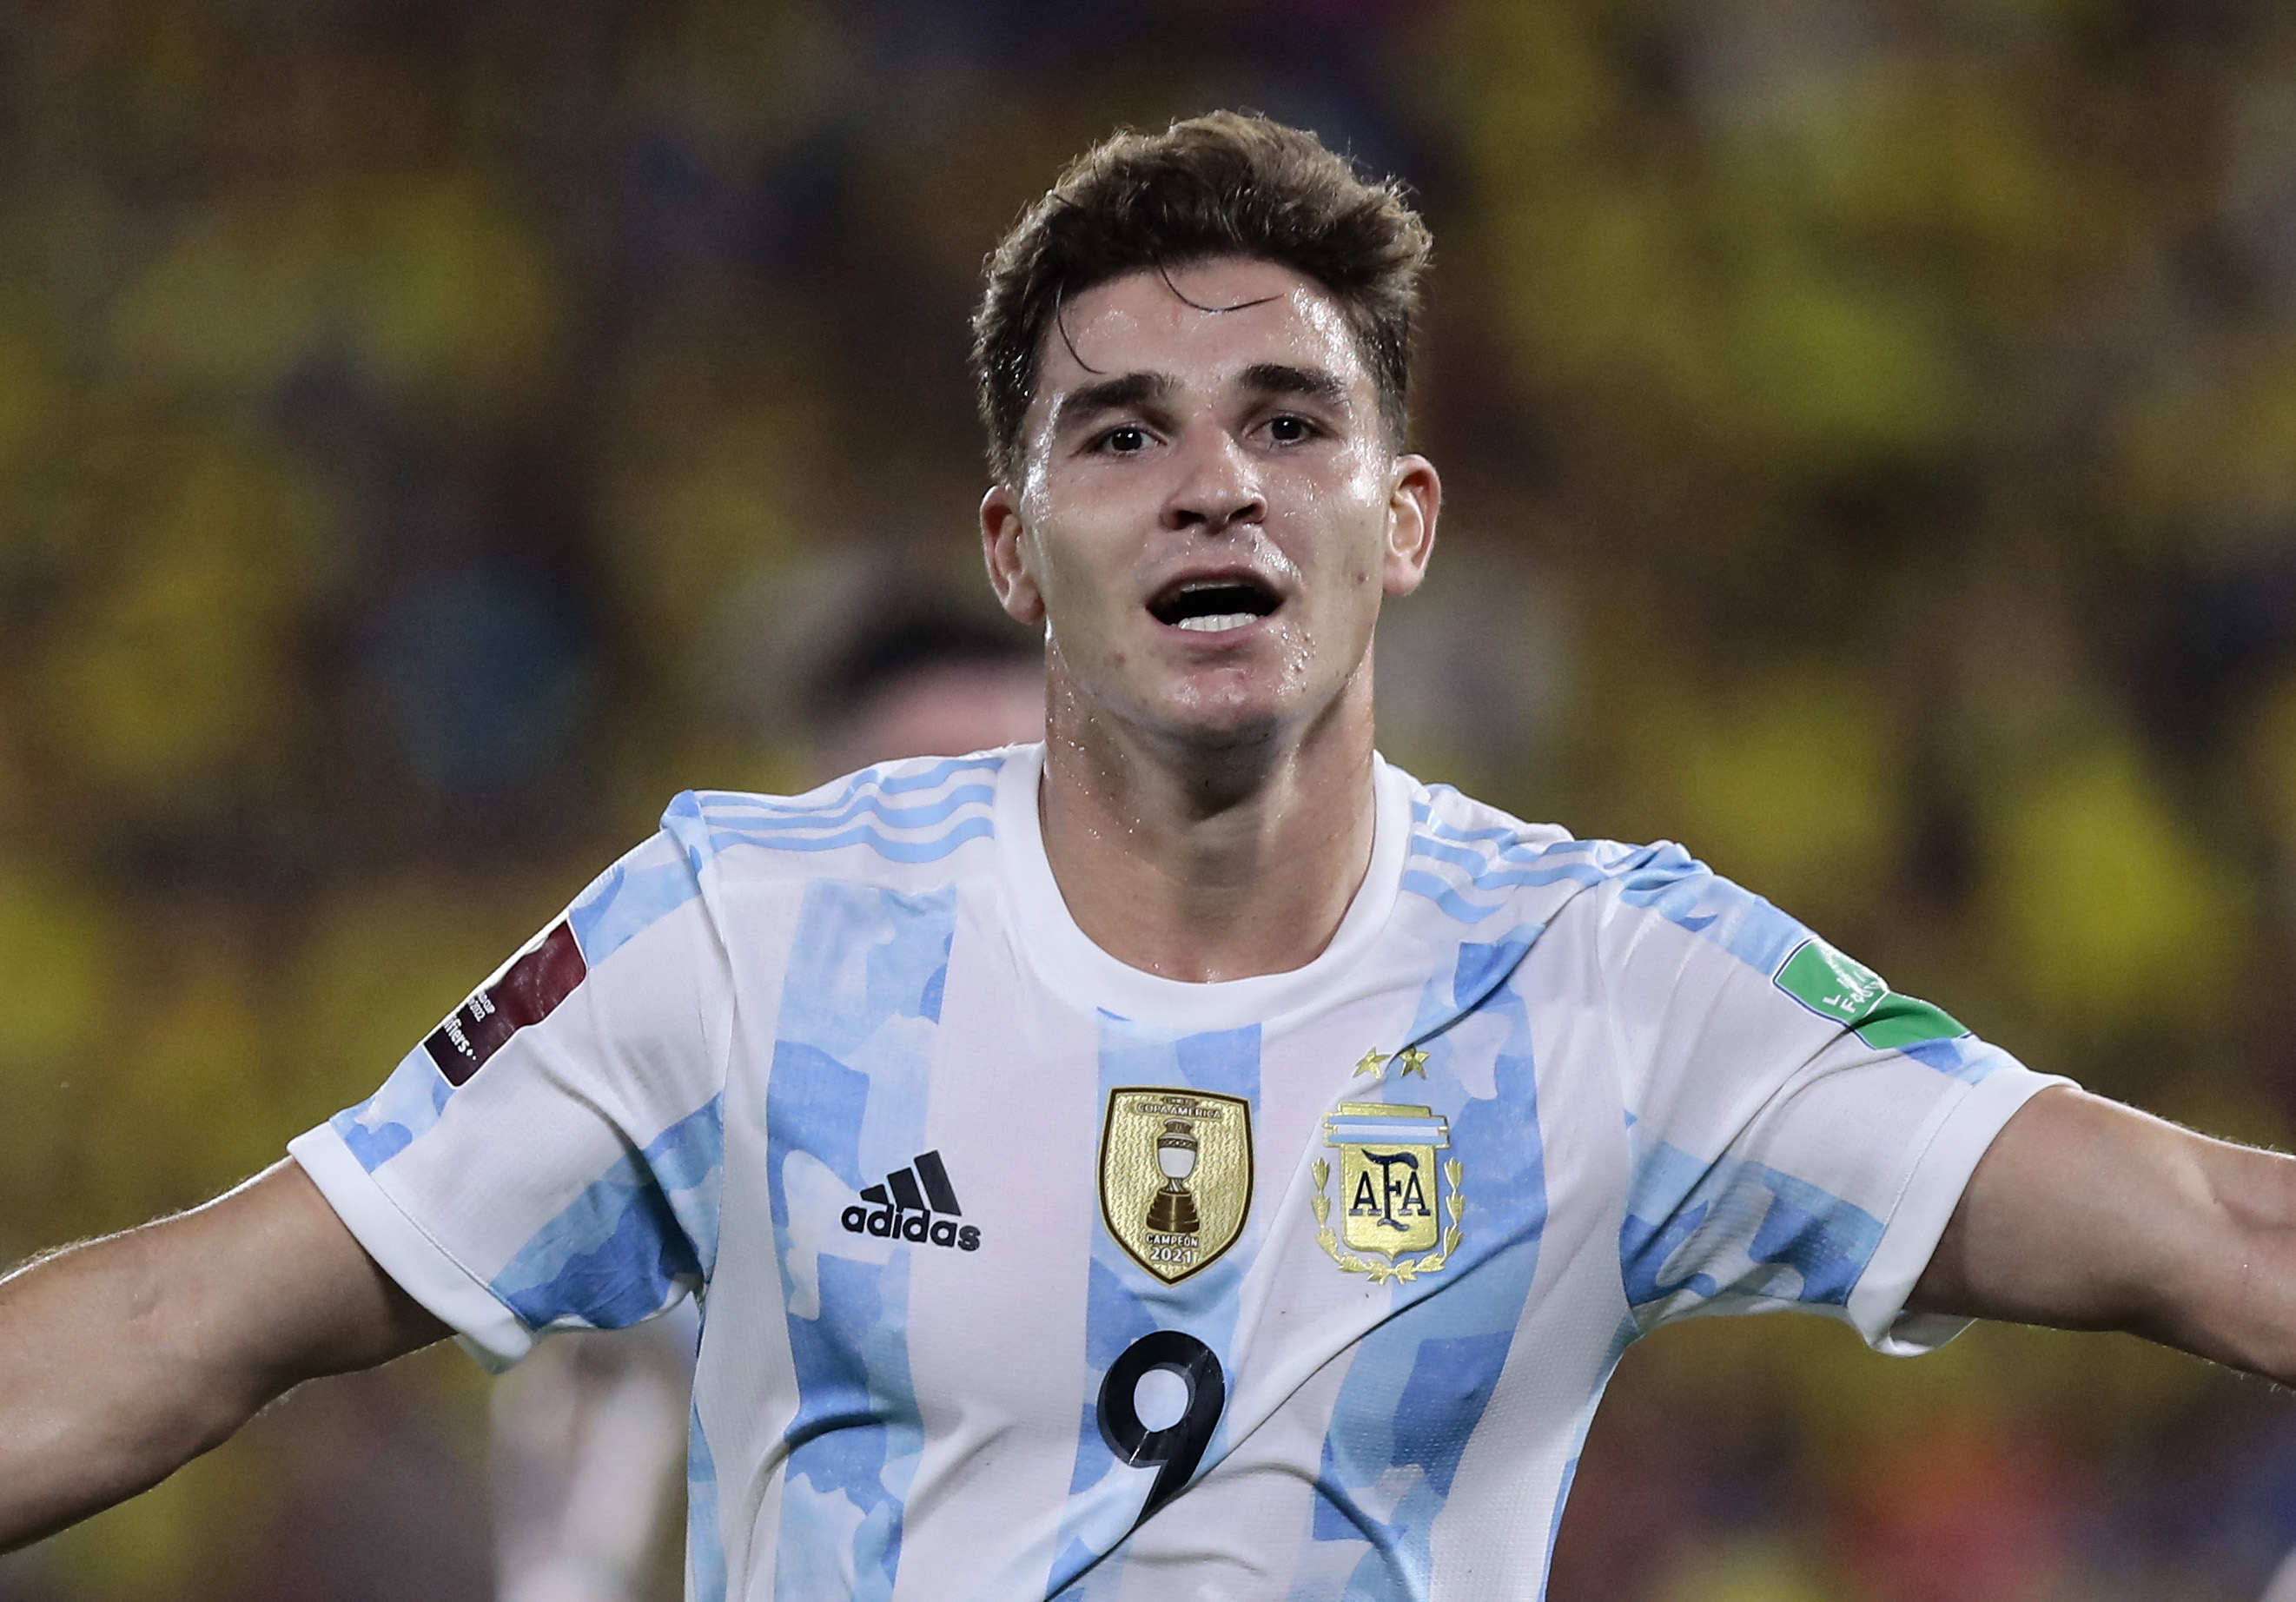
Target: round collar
{"type": "Point", "coordinates": [1081, 972]}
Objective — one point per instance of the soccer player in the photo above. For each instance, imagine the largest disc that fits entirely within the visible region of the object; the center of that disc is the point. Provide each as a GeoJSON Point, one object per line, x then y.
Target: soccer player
{"type": "Point", "coordinates": [1188, 1158]}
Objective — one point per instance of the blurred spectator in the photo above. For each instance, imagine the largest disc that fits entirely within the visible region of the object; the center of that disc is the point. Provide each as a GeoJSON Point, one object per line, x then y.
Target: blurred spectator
{"type": "Point", "coordinates": [917, 679]}
{"type": "Point", "coordinates": [587, 1433]}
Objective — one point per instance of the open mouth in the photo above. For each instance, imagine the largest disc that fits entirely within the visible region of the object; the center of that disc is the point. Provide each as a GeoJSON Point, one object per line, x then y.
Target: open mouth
{"type": "Point", "coordinates": [1214, 605]}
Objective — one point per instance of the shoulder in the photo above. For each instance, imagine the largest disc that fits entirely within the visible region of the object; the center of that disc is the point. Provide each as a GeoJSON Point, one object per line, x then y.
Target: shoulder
{"type": "Point", "coordinates": [891, 819]}
{"type": "Point", "coordinates": [914, 825]}
{"type": "Point", "coordinates": [1470, 858]}
{"type": "Point", "coordinates": [1477, 863]}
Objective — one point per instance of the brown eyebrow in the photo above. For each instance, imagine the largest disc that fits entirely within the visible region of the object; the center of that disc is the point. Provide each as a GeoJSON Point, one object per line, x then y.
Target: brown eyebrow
{"type": "Point", "coordinates": [1309, 383]}
{"type": "Point", "coordinates": [1109, 395]}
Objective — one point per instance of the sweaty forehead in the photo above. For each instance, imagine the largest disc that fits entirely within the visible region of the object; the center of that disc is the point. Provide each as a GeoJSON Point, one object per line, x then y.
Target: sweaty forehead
{"type": "Point", "coordinates": [1200, 325]}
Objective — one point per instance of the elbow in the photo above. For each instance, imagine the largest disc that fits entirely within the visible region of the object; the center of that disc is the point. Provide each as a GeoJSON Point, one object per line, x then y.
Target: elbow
{"type": "Point", "coordinates": [2233, 1300]}
{"type": "Point", "coordinates": [192, 1388]}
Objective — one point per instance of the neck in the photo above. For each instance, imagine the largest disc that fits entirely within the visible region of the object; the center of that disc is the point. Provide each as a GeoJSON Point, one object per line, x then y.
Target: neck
{"type": "Point", "coordinates": [1202, 863]}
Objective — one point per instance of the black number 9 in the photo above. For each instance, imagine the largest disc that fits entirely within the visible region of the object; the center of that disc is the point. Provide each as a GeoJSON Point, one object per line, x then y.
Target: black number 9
{"type": "Point", "coordinates": [1179, 1447]}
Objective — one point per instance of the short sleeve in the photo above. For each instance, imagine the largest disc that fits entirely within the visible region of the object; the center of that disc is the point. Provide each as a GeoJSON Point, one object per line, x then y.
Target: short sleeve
{"type": "Point", "coordinates": [1800, 1133]}
{"type": "Point", "coordinates": [552, 1154]}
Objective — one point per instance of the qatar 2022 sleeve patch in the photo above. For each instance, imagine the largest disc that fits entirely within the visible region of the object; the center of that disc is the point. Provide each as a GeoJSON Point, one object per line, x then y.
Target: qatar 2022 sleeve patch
{"type": "Point", "coordinates": [1842, 989]}
{"type": "Point", "coordinates": [527, 991]}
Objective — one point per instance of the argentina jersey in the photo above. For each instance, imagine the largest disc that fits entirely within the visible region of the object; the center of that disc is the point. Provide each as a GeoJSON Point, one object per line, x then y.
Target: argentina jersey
{"type": "Point", "coordinates": [1027, 1274]}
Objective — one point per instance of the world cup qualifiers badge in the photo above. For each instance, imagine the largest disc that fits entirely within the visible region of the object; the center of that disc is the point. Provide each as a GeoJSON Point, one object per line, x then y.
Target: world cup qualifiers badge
{"type": "Point", "coordinates": [1175, 1176]}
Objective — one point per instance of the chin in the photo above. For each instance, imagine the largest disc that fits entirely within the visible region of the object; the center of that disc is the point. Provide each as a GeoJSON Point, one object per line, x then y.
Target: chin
{"type": "Point", "coordinates": [1226, 716]}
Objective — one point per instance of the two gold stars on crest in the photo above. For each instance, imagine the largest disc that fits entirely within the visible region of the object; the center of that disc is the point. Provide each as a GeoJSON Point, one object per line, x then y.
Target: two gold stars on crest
{"type": "Point", "coordinates": [1407, 1062]}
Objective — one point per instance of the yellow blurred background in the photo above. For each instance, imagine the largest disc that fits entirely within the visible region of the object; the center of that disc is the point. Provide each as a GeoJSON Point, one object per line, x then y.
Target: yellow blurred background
{"type": "Point", "coordinates": [432, 434]}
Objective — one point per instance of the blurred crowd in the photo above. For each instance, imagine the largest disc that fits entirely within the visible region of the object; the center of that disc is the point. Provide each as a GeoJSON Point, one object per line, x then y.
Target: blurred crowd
{"type": "Point", "coordinates": [432, 434]}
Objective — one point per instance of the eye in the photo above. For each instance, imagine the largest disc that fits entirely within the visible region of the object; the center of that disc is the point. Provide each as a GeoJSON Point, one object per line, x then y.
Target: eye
{"type": "Point", "coordinates": [1124, 440]}
{"type": "Point", "coordinates": [1288, 428]}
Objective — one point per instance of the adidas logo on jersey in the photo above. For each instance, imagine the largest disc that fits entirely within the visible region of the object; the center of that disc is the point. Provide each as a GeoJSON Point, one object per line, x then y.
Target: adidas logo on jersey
{"type": "Point", "coordinates": [904, 1207]}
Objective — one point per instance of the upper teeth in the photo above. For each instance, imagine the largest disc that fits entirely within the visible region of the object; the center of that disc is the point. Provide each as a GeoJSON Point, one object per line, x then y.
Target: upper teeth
{"type": "Point", "coordinates": [1214, 622]}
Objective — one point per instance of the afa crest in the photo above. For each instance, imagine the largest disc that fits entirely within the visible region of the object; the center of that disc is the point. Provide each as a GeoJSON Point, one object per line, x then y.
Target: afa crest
{"type": "Point", "coordinates": [1390, 1201]}
{"type": "Point", "coordinates": [1175, 1176]}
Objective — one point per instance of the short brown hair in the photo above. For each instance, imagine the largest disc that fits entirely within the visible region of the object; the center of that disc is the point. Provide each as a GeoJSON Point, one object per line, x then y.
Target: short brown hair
{"type": "Point", "coordinates": [1223, 185]}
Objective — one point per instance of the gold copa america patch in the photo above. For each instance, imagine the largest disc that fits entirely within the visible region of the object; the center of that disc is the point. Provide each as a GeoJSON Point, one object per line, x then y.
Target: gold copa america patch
{"type": "Point", "coordinates": [1175, 1176]}
{"type": "Point", "coordinates": [1388, 1195]}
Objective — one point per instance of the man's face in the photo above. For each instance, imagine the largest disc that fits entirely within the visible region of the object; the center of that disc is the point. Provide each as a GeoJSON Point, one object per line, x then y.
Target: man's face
{"type": "Point", "coordinates": [1209, 511]}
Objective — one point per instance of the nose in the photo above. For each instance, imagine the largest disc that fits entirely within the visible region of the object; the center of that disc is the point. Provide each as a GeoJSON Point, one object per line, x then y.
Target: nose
{"type": "Point", "coordinates": [1218, 484]}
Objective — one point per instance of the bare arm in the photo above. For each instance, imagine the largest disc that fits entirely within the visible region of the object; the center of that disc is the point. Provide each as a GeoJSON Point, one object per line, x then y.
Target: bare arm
{"type": "Point", "coordinates": [2085, 1214]}
{"type": "Point", "coordinates": [123, 1358]}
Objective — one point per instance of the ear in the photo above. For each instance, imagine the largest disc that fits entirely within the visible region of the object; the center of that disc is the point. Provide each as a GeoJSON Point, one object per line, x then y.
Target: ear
{"type": "Point", "coordinates": [1003, 548]}
{"type": "Point", "coordinates": [1415, 497]}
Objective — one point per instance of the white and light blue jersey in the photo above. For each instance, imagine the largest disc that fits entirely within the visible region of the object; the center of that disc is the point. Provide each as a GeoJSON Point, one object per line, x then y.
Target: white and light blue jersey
{"type": "Point", "coordinates": [1027, 1274]}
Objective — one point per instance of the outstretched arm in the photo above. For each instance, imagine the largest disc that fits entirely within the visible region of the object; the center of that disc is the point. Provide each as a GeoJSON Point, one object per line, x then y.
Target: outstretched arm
{"type": "Point", "coordinates": [2085, 1214]}
{"type": "Point", "coordinates": [123, 1358]}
